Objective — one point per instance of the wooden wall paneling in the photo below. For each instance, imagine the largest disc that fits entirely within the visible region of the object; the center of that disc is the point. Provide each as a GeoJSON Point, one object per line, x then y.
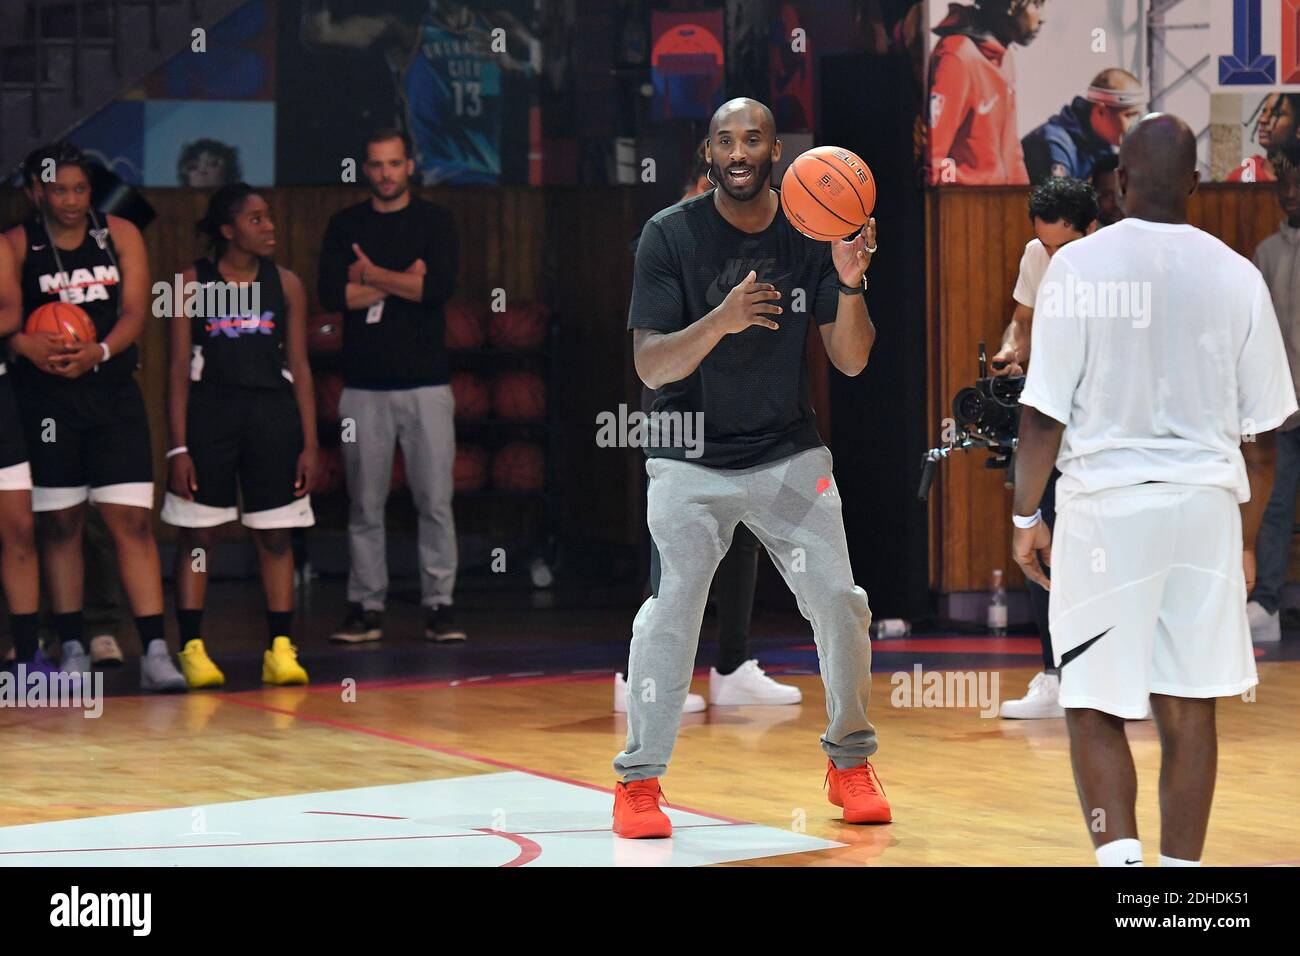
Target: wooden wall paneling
{"type": "Point", "coordinates": [974, 242]}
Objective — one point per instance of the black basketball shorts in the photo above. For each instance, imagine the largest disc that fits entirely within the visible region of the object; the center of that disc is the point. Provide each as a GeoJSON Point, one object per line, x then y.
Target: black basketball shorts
{"type": "Point", "coordinates": [245, 445]}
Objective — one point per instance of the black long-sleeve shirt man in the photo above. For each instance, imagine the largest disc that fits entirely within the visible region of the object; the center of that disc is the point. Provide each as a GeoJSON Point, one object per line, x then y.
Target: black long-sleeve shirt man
{"type": "Point", "coordinates": [400, 346]}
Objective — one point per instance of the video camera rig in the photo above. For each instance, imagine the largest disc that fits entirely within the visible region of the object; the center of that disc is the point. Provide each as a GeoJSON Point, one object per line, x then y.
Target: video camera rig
{"type": "Point", "coordinates": [987, 415]}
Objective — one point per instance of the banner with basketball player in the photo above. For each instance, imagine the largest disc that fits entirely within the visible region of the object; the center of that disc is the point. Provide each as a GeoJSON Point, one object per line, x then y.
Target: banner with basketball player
{"type": "Point", "coordinates": [1020, 90]}
{"type": "Point", "coordinates": [457, 77]}
{"type": "Point", "coordinates": [1247, 53]}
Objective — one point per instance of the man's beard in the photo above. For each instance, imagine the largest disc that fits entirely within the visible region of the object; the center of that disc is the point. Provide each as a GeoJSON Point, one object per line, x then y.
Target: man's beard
{"type": "Point", "coordinates": [374, 191]}
{"type": "Point", "coordinates": [761, 173]}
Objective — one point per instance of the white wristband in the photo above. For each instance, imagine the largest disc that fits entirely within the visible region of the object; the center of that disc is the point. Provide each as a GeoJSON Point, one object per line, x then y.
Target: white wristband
{"type": "Point", "coordinates": [108, 353]}
{"type": "Point", "coordinates": [178, 450]}
{"type": "Point", "coordinates": [1021, 521]}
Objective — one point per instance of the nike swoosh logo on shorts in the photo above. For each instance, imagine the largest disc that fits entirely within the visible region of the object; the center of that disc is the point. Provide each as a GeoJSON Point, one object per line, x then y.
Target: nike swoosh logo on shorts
{"type": "Point", "coordinates": [986, 106]}
{"type": "Point", "coordinates": [1075, 652]}
{"type": "Point", "coordinates": [36, 248]}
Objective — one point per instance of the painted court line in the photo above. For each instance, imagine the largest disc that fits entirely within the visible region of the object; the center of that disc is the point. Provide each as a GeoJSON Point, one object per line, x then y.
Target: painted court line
{"type": "Point", "coordinates": [520, 839]}
{"type": "Point", "coordinates": [462, 754]}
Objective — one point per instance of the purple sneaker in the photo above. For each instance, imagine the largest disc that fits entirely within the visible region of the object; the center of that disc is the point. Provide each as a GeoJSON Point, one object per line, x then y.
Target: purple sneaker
{"type": "Point", "coordinates": [41, 664]}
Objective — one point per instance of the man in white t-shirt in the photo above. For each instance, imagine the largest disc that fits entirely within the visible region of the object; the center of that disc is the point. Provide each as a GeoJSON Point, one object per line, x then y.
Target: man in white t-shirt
{"type": "Point", "coordinates": [1159, 362]}
{"type": "Point", "coordinates": [1061, 211]}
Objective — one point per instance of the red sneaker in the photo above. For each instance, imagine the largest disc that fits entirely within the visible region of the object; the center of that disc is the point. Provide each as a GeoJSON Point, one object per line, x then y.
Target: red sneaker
{"type": "Point", "coordinates": [859, 791]}
{"type": "Point", "coordinates": [636, 810]}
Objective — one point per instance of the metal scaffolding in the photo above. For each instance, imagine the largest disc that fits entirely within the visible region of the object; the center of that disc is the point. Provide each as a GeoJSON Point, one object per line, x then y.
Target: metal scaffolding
{"type": "Point", "coordinates": [1168, 72]}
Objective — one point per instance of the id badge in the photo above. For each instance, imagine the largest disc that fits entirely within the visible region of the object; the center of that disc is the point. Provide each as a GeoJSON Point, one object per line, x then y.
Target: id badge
{"type": "Point", "coordinates": [375, 312]}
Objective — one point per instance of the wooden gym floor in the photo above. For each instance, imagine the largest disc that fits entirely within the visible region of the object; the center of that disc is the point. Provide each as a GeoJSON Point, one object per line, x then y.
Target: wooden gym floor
{"type": "Point", "coordinates": [517, 742]}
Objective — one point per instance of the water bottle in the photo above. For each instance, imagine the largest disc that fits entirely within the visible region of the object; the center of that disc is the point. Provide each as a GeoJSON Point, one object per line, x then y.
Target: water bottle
{"type": "Point", "coordinates": [998, 607]}
{"type": "Point", "coordinates": [890, 627]}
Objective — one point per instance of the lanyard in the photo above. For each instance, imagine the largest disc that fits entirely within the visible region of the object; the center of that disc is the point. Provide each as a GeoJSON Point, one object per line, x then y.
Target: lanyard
{"type": "Point", "coordinates": [58, 259]}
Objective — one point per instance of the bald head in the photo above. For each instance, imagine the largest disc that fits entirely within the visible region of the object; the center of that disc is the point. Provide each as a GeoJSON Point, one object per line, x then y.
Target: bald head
{"type": "Point", "coordinates": [1157, 166]}
{"type": "Point", "coordinates": [1116, 79]}
{"type": "Point", "coordinates": [740, 115]}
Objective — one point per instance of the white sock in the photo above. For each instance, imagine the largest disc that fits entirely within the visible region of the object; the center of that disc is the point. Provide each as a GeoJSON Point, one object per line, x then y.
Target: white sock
{"type": "Point", "coordinates": [1174, 861]}
{"type": "Point", "coordinates": [1127, 852]}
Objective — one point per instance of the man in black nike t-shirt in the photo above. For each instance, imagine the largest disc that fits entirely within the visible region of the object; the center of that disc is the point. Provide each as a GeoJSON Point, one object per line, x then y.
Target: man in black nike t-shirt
{"type": "Point", "coordinates": [723, 293]}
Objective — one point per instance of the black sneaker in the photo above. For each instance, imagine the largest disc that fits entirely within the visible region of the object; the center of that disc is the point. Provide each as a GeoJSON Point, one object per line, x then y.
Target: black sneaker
{"type": "Point", "coordinates": [439, 626]}
{"type": "Point", "coordinates": [359, 626]}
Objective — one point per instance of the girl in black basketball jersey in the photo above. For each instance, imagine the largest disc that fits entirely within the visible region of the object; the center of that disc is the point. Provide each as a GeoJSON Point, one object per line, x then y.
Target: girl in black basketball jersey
{"type": "Point", "coordinates": [242, 420]}
{"type": "Point", "coordinates": [84, 418]}
{"type": "Point", "coordinates": [18, 568]}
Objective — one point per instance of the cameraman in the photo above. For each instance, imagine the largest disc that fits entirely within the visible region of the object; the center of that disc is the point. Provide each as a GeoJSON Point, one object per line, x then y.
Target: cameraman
{"type": "Point", "coordinates": [1061, 211]}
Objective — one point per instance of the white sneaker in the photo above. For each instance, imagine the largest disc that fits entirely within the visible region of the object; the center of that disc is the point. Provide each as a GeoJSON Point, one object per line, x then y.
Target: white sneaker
{"type": "Point", "coordinates": [104, 649]}
{"type": "Point", "coordinates": [157, 672]}
{"type": "Point", "coordinates": [1042, 700]}
{"type": "Point", "coordinates": [747, 684]}
{"type": "Point", "coordinates": [1265, 628]}
{"type": "Point", "coordinates": [694, 702]}
{"type": "Point", "coordinates": [74, 659]}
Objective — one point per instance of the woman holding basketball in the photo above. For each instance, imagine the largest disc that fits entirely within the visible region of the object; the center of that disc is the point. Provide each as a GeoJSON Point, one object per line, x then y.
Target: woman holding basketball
{"type": "Point", "coordinates": [242, 420]}
{"type": "Point", "coordinates": [83, 416]}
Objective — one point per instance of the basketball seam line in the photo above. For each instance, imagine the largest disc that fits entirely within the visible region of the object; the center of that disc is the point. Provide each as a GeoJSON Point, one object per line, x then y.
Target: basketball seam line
{"type": "Point", "coordinates": [854, 190]}
{"type": "Point", "coordinates": [814, 198]}
{"type": "Point", "coordinates": [810, 233]}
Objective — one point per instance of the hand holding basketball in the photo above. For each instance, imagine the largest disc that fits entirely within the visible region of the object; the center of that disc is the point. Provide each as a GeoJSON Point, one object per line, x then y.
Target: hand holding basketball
{"type": "Point", "coordinates": [77, 360]}
{"type": "Point", "coordinates": [41, 349]}
{"type": "Point", "coordinates": [852, 257]}
{"type": "Point", "coordinates": [748, 303]}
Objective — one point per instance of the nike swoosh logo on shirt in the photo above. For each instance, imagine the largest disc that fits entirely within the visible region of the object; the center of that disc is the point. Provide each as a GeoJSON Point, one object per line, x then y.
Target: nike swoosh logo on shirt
{"type": "Point", "coordinates": [985, 107]}
{"type": "Point", "coordinates": [36, 248]}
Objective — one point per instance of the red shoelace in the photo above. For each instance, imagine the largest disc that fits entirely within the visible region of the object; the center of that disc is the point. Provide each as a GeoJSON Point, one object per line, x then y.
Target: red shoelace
{"type": "Point", "coordinates": [643, 800]}
{"type": "Point", "coordinates": [859, 781]}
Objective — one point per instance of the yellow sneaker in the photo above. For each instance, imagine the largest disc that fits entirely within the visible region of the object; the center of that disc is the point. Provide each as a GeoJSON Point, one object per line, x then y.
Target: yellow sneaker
{"type": "Point", "coordinates": [280, 664]}
{"type": "Point", "coordinates": [198, 668]}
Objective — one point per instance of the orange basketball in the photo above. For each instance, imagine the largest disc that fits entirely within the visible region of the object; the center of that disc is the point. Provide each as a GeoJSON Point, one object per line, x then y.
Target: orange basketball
{"type": "Point", "coordinates": [519, 466]}
{"type": "Point", "coordinates": [521, 326]}
{"type": "Point", "coordinates": [469, 470]}
{"type": "Point", "coordinates": [470, 395]}
{"type": "Point", "coordinates": [519, 395]}
{"type": "Point", "coordinates": [63, 319]}
{"type": "Point", "coordinates": [828, 193]}
{"type": "Point", "coordinates": [466, 325]}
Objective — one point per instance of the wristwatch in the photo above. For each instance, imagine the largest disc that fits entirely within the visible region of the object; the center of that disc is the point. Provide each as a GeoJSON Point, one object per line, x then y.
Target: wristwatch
{"type": "Point", "coordinates": [851, 289]}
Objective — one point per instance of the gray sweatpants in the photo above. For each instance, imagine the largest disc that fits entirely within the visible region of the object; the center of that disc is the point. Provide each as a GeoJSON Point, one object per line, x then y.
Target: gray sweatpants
{"type": "Point", "coordinates": [793, 507]}
{"type": "Point", "coordinates": [423, 421]}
